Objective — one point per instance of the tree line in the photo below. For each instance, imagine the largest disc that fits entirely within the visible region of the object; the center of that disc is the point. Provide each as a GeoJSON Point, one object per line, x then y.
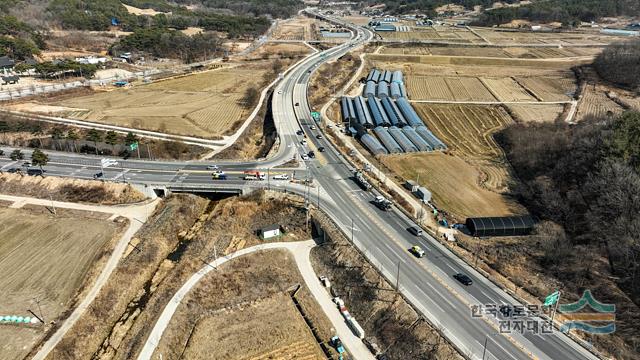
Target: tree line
{"type": "Point", "coordinates": [163, 42]}
{"type": "Point", "coordinates": [620, 64]}
{"type": "Point", "coordinates": [567, 12]}
{"type": "Point", "coordinates": [586, 179]}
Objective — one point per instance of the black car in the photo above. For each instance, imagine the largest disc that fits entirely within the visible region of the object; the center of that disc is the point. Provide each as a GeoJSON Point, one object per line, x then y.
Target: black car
{"type": "Point", "coordinates": [462, 278]}
{"type": "Point", "coordinates": [299, 132]}
{"type": "Point", "coordinates": [98, 175]}
{"type": "Point", "coordinates": [311, 154]}
{"type": "Point", "coordinates": [321, 149]}
{"type": "Point", "coordinates": [297, 104]}
{"type": "Point", "coordinates": [35, 172]}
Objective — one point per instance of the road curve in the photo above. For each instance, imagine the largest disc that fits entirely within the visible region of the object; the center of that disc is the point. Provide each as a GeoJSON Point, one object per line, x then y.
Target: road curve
{"type": "Point", "coordinates": [301, 251]}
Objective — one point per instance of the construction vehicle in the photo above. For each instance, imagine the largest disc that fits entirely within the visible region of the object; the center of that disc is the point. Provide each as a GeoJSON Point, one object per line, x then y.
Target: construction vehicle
{"type": "Point", "coordinates": [382, 203]}
{"type": "Point", "coordinates": [337, 344]}
{"type": "Point", "coordinates": [254, 175]}
{"type": "Point", "coordinates": [360, 179]}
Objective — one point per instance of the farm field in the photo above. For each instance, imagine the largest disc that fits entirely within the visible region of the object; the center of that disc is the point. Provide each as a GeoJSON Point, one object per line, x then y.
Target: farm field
{"type": "Point", "coordinates": [447, 88]}
{"type": "Point", "coordinates": [288, 336]}
{"type": "Point", "coordinates": [536, 112]}
{"type": "Point", "coordinates": [594, 102]}
{"type": "Point", "coordinates": [281, 50]}
{"type": "Point", "coordinates": [506, 52]}
{"type": "Point", "coordinates": [252, 315]}
{"type": "Point", "coordinates": [547, 88]}
{"type": "Point", "coordinates": [299, 28]}
{"type": "Point", "coordinates": [455, 184]}
{"type": "Point", "coordinates": [561, 38]}
{"type": "Point", "coordinates": [205, 104]}
{"type": "Point", "coordinates": [506, 89]}
{"type": "Point", "coordinates": [466, 129]}
{"type": "Point", "coordinates": [45, 257]}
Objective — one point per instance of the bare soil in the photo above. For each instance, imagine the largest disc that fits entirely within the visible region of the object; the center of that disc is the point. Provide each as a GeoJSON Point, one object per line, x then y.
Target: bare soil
{"type": "Point", "coordinates": [46, 260]}
{"type": "Point", "coordinates": [252, 315]}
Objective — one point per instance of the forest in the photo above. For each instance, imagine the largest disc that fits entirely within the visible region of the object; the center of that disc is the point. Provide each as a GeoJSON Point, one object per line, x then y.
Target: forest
{"type": "Point", "coordinates": [586, 179]}
{"type": "Point", "coordinates": [567, 12]}
{"type": "Point", "coordinates": [620, 64]}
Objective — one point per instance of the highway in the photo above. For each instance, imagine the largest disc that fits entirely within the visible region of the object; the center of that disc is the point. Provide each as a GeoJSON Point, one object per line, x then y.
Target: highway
{"type": "Point", "coordinates": [382, 236]}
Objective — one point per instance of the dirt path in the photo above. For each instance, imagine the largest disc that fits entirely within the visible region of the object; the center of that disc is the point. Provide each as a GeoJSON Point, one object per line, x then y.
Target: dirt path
{"type": "Point", "coordinates": [137, 215]}
{"type": "Point", "coordinates": [301, 251]}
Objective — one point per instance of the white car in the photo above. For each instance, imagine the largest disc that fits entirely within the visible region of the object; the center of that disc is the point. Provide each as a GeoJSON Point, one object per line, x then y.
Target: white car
{"type": "Point", "coordinates": [212, 167]}
{"type": "Point", "coordinates": [313, 127]}
{"type": "Point", "coordinates": [303, 142]}
{"type": "Point", "coordinates": [305, 157]}
{"type": "Point", "coordinates": [279, 91]}
{"type": "Point", "coordinates": [281, 177]}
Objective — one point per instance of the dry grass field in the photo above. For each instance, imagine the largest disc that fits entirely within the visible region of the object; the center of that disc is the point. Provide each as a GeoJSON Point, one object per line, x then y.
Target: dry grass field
{"type": "Point", "coordinates": [536, 112]}
{"type": "Point", "coordinates": [506, 52]}
{"type": "Point", "coordinates": [594, 102]}
{"type": "Point", "coordinates": [447, 88]}
{"type": "Point", "coordinates": [466, 129]}
{"type": "Point", "coordinates": [205, 104]}
{"type": "Point", "coordinates": [472, 178]}
{"type": "Point", "coordinates": [455, 184]}
{"type": "Point", "coordinates": [507, 89]}
{"type": "Point", "coordinates": [251, 316]}
{"type": "Point", "coordinates": [548, 88]}
{"type": "Point", "coordinates": [45, 257]}
{"type": "Point", "coordinates": [270, 328]}
{"type": "Point", "coordinates": [298, 28]}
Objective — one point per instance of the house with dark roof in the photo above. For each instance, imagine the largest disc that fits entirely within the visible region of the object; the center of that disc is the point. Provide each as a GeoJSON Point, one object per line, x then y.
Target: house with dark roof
{"type": "Point", "coordinates": [6, 80]}
{"type": "Point", "coordinates": [6, 63]}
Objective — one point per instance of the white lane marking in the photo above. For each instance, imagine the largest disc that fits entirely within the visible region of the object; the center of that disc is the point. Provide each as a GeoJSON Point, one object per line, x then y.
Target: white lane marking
{"type": "Point", "coordinates": [428, 297]}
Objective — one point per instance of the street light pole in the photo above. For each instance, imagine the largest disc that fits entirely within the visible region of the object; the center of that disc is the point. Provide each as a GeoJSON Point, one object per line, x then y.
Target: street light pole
{"type": "Point", "coordinates": [484, 349]}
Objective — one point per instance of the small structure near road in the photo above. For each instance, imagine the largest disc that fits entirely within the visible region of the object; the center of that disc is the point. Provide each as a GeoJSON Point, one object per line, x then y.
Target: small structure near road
{"type": "Point", "coordinates": [13, 79]}
{"type": "Point", "coordinates": [6, 64]}
{"type": "Point", "coordinates": [269, 232]}
{"type": "Point", "coordinates": [500, 226]}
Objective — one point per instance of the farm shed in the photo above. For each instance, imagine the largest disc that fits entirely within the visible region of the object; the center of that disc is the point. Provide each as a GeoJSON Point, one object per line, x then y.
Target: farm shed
{"type": "Point", "coordinates": [396, 77]}
{"type": "Point", "coordinates": [369, 89]}
{"type": "Point", "coordinates": [418, 141]}
{"type": "Point", "coordinates": [373, 144]}
{"type": "Point", "coordinates": [269, 231]}
{"type": "Point", "coordinates": [402, 139]}
{"type": "Point", "coordinates": [408, 112]}
{"type": "Point", "coordinates": [374, 75]}
{"type": "Point", "coordinates": [6, 64]}
{"type": "Point", "coordinates": [500, 226]}
{"type": "Point", "coordinates": [395, 118]}
{"type": "Point", "coordinates": [395, 90]}
{"type": "Point", "coordinates": [347, 110]}
{"type": "Point", "coordinates": [431, 139]}
{"type": "Point", "coordinates": [362, 112]}
{"type": "Point", "coordinates": [13, 79]}
{"type": "Point", "coordinates": [388, 141]}
{"type": "Point", "coordinates": [383, 89]}
{"type": "Point", "coordinates": [376, 113]}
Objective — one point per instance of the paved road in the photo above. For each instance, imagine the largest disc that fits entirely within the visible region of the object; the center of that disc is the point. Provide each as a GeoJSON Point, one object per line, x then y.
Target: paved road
{"type": "Point", "coordinates": [382, 236]}
{"type": "Point", "coordinates": [301, 251]}
{"type": "Point", "coordinates": [137, 215]}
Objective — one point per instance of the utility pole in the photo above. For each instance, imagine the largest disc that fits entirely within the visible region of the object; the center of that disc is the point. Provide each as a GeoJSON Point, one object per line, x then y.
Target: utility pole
{"type": "Point", "coordinates": [484, 349]}
{"type": "Point", "coordinates": [318, 197]}
{"type": "Point", "coordinates": [352, 230]}
{"type": "Point", "coordinates": [555, 309]}
{"type": "Point", "coordinates": [398, 278]}
{"type": "Point", "coordinates": [268, 178]}
{"type": "Point", "coordinates": [149, 152]}
{"type": "Point", "coordinates": [215, 256]}
{"type": "Point", "coordinates": [53, 206]}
